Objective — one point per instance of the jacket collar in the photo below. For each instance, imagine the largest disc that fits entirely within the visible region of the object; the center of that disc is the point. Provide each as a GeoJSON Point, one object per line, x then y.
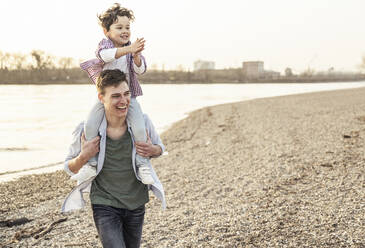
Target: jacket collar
{"type": "Point", "coordinates": [103, 126]}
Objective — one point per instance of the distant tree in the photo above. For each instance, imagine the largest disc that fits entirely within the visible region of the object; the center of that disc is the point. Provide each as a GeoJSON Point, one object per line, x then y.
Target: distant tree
{"type": "Point", "coordinates": [308, 73]}
{"type": "Point", "coordinates": [66, 63]}
{"type": "Point", "coordinates": [331, 70]}
{"type": "Point", "coordinates": [180, 68]}
{"type": "Point", "coordinates": [4, 60]}
{"type": "Point", "coordinates": [154, 67]}
{"type": "Point", "coordinates": [288, 72]}
{"type": "Point", "coordinates": [19, 61]}
{"type": "Point", "coordinates": [362, 65]}
{"type": "Point", "coordinates": [42, 60]}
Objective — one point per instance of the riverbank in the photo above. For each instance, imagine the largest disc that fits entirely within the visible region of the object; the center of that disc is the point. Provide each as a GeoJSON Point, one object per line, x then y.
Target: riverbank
{"type": "Point", "coordinates": [282, 80]}
{"type": "Point", "coordinates": [231, 75]}
{"type": "Point", "coordinates": [273, 172]}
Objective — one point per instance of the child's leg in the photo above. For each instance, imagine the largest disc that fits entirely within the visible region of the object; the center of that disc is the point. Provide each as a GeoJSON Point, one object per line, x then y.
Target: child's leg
{"type": "Point", "coordinates": [136, 121]}
{"type": "Point", "coordinates": [91, 130]}
{"type": "Point", "coordinates": [92, 125]}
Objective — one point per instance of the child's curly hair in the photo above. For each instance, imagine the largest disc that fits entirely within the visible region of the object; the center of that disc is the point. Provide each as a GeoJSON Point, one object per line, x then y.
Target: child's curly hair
{"type": "Point", "coordinates": [107, 18]}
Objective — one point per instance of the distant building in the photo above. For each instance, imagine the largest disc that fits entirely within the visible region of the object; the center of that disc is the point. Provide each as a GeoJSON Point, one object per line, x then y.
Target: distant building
{"type": "Point", "coordinates": [253, 69]}
{"type": "Point", "coordinates": [204, 65]}
{"type": "Point", "coordinates": [271, 75]}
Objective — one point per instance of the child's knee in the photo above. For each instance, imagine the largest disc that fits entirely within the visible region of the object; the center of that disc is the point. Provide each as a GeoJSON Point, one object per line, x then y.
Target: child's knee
{"type": "Point", "coordinates": [90, 130]}
{"type": "Point", "coordinates": [140, 134]}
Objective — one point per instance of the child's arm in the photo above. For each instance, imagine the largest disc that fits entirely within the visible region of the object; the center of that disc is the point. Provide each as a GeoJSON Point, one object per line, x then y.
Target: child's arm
{"type": "Point", "coordinates": [137, 59]}
{"type": "Point", "coordinates": [110, 54]}
{"type": "Point", "coordinates": [135, 47]}
{"type": "Point", "coordinates": [139, 64]}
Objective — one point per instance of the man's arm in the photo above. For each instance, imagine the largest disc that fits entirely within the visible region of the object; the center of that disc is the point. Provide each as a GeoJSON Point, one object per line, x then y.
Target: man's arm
{"type": "Point", "coordinates": [79, 151]}
{"type": "Point", "coordinates": [154, 146]}
{"type": "Point", "coordinates": [147, 149]}
{"type": "Point", "coordinates": [88, 150]}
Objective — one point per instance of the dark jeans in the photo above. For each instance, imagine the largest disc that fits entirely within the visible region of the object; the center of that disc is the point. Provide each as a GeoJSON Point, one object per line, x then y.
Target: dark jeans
{"type": "Point", "coordinates": [118, 227]}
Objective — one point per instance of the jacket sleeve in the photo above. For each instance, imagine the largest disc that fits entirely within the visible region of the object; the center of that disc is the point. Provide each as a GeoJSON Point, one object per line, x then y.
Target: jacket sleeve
{"type": "Point", "coordinates": [75, 147]}
{"type": "Point", "coordinates": [103, 44]}
{"type": "Point", "coordinates": [155, 138]}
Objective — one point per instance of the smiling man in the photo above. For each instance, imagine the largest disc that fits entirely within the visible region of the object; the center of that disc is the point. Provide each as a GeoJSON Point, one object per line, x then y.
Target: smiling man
{"type": "Point", "coordinates": [117, 195]}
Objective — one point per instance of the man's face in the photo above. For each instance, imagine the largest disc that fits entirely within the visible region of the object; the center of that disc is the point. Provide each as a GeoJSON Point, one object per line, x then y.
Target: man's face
{"type": "Point", "coordinates": [116, 100]}
{"type": "Point", "coordinates": [119, 32]}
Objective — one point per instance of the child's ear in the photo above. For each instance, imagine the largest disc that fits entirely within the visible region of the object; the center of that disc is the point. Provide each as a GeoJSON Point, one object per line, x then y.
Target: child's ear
{"type": "Point", "coordinates": [101, 97]}
{"type": "Point", "coordinates": [105, 32]}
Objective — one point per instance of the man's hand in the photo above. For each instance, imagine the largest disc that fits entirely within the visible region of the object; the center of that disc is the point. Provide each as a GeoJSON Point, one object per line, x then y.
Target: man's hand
{"type": "Point", "coordinates": [147, 149]}
{"type": "Point", "coordinates": [89, 148]}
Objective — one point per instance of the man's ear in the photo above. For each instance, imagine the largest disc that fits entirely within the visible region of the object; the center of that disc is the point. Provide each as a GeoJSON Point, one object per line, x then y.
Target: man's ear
{"type": "Point", "coordinates": [101, 97]}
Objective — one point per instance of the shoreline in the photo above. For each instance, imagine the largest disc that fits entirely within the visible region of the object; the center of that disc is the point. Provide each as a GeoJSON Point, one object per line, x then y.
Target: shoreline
{"type": "Point", "coordinates": [221, 82]}
{"type": "Point", "coordinates": [4, 176]}
{"type": "Point", "coordinates": [268, 172]}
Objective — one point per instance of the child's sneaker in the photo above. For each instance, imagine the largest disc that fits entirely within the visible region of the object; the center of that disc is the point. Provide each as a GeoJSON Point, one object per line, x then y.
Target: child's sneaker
{"type": "Point", "coordinates": [144, 173]}
{"type": "Point", "coordinates": [87, 171]}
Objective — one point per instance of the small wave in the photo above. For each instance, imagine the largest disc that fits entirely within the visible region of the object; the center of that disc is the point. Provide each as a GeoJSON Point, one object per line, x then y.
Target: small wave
{"type": "Point", "coordinates": [13, 149]}
{"type": "Point", "coordinates": [30, 169]}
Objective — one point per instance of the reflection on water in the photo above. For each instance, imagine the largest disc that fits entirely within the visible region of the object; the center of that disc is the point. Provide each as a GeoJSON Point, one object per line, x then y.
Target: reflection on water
{"type": "Point", "coordinates": [37, 120]}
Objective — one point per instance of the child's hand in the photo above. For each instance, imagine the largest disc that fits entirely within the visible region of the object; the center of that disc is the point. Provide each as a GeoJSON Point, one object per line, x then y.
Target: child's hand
{"type": "Point", "coordinates": [137, 46]}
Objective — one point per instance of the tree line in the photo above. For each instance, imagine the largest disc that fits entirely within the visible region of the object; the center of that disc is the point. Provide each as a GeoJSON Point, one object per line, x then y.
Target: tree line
{"type": "Point", "coordinates": [38, 67]}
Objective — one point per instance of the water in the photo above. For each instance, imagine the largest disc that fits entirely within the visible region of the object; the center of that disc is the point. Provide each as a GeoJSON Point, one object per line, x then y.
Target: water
{"type": "Point", "coordinates": [37, 120]}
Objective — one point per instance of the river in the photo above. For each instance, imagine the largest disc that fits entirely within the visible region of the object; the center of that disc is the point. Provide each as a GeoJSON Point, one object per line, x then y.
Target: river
{"type": "Point", "coordinates": [37, 120]}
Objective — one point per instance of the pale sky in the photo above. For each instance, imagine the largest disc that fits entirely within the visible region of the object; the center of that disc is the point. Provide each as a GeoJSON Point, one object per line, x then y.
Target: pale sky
{"type": "Point", "coordinates": [283, 33]}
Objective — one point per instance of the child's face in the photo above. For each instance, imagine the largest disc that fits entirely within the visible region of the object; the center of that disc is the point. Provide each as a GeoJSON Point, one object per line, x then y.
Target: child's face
{"type": "Point", "coordinates": [119, 32]}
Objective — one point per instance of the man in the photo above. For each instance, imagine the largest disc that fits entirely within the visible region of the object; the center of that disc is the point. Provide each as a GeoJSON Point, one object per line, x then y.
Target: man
{"type": "Point", "coordinates": [117, 194]}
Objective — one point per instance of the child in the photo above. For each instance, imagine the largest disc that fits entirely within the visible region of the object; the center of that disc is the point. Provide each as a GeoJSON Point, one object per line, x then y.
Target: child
{"type": "Point", "coordinates": [117, 52]}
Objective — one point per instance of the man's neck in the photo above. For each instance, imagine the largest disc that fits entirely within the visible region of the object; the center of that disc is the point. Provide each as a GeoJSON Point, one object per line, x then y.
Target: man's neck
{"type": "Point", "coordinates": [116, 127]}
{"type": "Point", "coordinates": [116, 123]}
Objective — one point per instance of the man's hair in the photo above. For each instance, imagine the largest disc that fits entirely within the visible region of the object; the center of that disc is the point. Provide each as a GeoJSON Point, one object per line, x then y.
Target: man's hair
{"type": "Point", "coordinates": [107, 18]}
{"type": "Point", "coordinates": [109, 78]}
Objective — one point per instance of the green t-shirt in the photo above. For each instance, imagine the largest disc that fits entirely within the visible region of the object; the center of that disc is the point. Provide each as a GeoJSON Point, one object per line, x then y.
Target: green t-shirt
{"type": "Point", "coordinates": [116, 185]}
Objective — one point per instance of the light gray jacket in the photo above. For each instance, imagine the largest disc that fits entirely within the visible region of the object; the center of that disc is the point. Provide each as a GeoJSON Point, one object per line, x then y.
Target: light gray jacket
{"type": "Point", "coordinates": [74, 199]}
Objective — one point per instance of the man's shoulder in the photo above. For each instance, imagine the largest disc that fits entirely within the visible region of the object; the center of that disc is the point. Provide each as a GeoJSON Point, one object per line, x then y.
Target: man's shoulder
{"type": "Point", "coordinates": [79, 128]}
{"type": "Point", "coordinates": [146, 118]}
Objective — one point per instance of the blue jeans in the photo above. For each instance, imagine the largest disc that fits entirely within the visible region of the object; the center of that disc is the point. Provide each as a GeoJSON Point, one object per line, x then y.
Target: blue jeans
{"type": "Point", "coordinates": [118, 227]}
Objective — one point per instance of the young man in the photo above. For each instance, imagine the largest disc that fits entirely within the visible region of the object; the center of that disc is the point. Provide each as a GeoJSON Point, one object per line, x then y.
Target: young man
{"type": "Point", "coordinates": [117, 194]}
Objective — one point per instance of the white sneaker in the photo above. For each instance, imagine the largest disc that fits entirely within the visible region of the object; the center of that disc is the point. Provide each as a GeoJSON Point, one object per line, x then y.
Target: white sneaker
{"type": "Point", "coordinates": [144, 173]}
{"type": "Point", "coordinates": [87, 171]}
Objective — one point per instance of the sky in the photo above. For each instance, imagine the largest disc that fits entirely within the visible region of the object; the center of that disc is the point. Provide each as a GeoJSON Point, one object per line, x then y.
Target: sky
{"type": "Point", "coordinates": [316, 34]}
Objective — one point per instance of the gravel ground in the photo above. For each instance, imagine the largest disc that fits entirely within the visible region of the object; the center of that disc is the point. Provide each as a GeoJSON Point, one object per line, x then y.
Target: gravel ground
{"type": "Point", "coordinates": [275, 172]}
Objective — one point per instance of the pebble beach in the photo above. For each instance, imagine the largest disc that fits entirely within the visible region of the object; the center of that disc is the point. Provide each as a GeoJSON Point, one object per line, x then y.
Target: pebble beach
{"type": "Point", "coordinates": [285, 171]}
